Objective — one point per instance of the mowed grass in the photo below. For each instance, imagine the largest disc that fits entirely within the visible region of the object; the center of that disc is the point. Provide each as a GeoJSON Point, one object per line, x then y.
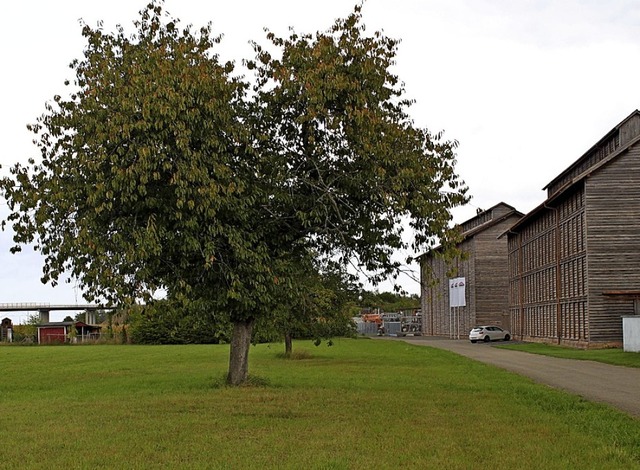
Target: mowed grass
{"type": "Point", "coordinates": [609, 356]}
{"type": "Point", "coordinates": [358, 404]}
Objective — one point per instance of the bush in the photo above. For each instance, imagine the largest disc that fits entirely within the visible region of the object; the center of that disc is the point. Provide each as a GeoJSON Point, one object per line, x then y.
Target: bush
{"type": "Point", "coordinates": [166, 322]}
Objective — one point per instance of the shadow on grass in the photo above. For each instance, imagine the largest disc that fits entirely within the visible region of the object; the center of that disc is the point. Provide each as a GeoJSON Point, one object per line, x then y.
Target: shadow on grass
{"type": "Point", "coordinates": [253, 381]}
{"type": "Point", "coordinates": [297, 355]}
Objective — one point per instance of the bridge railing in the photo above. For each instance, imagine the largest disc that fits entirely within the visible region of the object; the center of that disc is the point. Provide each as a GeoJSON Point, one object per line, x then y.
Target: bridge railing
{"type": "Point", "coordinates": [48, 306]}
{"type": "Point", "coordinates": [35, 305]}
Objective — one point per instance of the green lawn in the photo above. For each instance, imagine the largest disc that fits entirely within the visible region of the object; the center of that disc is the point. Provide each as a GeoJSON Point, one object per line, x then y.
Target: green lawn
{"type": "Point", "coordinates": [609, 356]}
{"type": "Point", "coordinates": [358, 404]}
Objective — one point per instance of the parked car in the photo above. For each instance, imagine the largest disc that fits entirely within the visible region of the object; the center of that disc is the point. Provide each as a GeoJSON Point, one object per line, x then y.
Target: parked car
{"type": "Point", "coordinates": [488, 333]}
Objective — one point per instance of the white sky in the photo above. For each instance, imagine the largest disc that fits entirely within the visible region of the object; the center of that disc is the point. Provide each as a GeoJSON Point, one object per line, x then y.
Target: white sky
{"type": "Point", "coordinates": [525, 86]}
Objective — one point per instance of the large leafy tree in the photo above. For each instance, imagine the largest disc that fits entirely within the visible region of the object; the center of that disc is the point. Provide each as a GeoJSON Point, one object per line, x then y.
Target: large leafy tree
{"type": "Point", "coordinates": [163, 170]}
{"type": "Point", "coordinates": [350, 163]}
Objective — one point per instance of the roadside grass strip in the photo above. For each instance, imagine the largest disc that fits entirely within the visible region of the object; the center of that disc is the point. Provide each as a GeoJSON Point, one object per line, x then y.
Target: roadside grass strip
{"type": "Point", "coordinates": [613, 356]}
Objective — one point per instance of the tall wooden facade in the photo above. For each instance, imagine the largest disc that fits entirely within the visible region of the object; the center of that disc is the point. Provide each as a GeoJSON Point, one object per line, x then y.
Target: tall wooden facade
{"type": "Point", "coordinates": [486, 277]}
{"type": "Point", "coordinates": [574, 261]}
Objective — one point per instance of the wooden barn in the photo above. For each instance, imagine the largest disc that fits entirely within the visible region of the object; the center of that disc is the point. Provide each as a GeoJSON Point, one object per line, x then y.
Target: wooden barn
{"type": "Point", "coordinates": [67, 331]}
{"type": "Point", "coordinates": [483, 272]}
{"type": "Point", "coordinates": [574, 261]}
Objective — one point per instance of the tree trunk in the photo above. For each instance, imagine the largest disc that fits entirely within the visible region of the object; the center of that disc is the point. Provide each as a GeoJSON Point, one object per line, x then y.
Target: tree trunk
{"type": "Point", "coordinates": [239, 353]}
{"type": "Point", "coordinates": [288, 344]}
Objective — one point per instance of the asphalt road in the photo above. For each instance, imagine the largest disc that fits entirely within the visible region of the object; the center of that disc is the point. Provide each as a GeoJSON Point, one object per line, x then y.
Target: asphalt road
{"type": "Point", "coordinates": [615, 385]}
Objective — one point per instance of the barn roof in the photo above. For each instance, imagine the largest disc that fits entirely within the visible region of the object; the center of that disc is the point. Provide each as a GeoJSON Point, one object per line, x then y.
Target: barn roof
{"type": "Point", "coordinates": [627, 135]}
{"type": "Point", "coordinates": [535, 211]}
{"type": "Point", "coordinates": [484, 220]}
{"type": "Point", "coordinates": [67, 323]}
{"type": "Point", "coordinates": [57, 323]}
{"type": "Point", "coordinates": [477, 224]}
{"type": "Point", "coordinates": [606, 138]}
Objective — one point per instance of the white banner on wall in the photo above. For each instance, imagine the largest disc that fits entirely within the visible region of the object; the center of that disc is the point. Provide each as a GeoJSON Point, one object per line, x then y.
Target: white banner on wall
{"type": "Point", "coordinates": [457, 292]}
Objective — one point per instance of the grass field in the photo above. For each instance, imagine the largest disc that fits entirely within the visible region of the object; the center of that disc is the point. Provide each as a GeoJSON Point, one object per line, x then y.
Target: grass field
{"type": "Point", "coordinates": [358, 404]}
{"type": "Point", "coordinates": [609, 356]}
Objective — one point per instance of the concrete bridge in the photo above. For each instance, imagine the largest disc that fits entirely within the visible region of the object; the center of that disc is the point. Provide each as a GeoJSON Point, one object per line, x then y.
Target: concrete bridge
{"type": "Point", "coordinates": [44, 309]}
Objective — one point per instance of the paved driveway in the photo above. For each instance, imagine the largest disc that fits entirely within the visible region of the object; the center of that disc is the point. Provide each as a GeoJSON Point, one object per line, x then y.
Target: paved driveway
{"type": "Point", "coordinates": [615, 385]}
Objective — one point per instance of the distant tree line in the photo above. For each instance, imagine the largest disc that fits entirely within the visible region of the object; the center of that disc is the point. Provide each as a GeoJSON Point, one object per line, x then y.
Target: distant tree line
{"type": "Point", "coordinates": [319, 314]}
{"type": "Point", "coordinates": [389, 301]}
{"type": "Point", "coordinates": [322, 310]}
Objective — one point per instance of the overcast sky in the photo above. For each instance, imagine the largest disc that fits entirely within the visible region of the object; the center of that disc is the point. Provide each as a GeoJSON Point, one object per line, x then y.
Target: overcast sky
{"type": "Point", "coordinates": [525, 86]}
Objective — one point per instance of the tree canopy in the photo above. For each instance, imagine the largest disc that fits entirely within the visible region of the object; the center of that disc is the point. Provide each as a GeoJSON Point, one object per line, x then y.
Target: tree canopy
{"type": "Point", "coordinates": [164, 168]}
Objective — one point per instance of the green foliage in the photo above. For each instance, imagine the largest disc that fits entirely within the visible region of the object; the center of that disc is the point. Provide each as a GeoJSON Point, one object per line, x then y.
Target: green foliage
{"type": "Point", "coordinates": [27, 332]}
{"type": "Point", "coordinates": [172, 322]}
{"type": "Point", "coordinates": [33, 319]}
{"type": "Point", "coordinates": [159, 170]}
{"type": "Point", "coordinates": [336, 134]}
{"type": "Point", "coordinates": [101, 316]}
{"type": "Point", "coordinates": [319, 305]}
{"type": "Point", "coordinates": [388, 301]}
{"type": "Point", "coordinates": [139, 182]}
{"type": "Point", "coordinates": [72, 333]}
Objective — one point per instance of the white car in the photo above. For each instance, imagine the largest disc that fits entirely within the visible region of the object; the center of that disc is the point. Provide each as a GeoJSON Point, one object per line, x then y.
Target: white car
{"type": "Point", "coordinates": [488, 333]}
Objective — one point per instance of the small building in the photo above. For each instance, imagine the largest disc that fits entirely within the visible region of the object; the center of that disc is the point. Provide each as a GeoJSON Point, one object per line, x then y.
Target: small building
{"type": "Point", "coordinates": [67, 332]}
{"type": "Point", "coordinates": [6, 330]}
{"type": "Point", "coordinates": [483, 271]}
{"type": "Point", "coordinates": [574, 261]}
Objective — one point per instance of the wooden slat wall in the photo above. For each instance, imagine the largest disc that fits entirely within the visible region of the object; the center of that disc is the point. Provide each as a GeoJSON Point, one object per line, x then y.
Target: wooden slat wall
{"type": "Point", "coordinates": [492, 276]}
{"type": "Point", "coordinates": [586, 243]}
{"type": "Point", "coordinates": [435, 274]}
{"type": "Point", "coordinates": [613, 239]}
{"type": "Point", "coordinates": [536, 280]}
{"type": "Point", "coordinates": [486, 270]}
{"type": "Point", "coordinates": [574, 323]}
{"type": "Point", "coordinates": [547, 269]}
